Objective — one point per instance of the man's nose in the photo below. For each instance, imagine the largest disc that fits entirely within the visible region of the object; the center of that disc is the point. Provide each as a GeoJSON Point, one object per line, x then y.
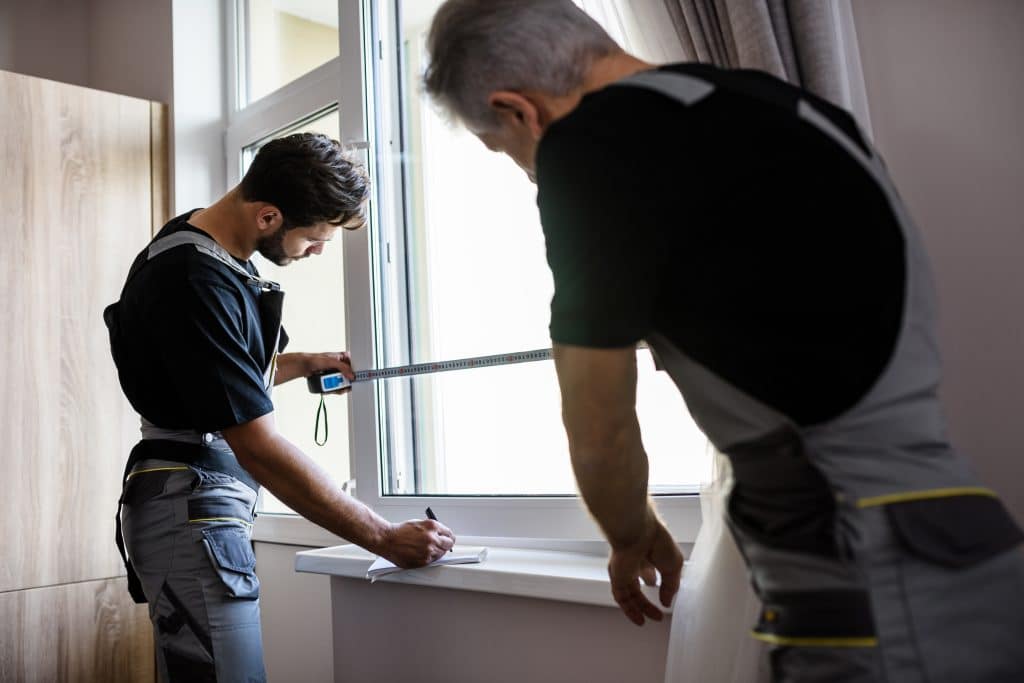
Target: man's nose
{"type": "Point", "coordinates": [315, 249]}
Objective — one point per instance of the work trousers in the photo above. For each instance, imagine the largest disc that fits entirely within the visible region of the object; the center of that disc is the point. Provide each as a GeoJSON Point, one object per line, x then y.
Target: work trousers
{"type": "Point", "coordinates": [933, 623]}
{"type": "Point", "coordinates": [187, 533]}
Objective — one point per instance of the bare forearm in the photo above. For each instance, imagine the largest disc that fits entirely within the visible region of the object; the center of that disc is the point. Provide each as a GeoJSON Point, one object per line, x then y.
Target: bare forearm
{"type": "Point", "coordinates": [611, 472]}
{"type": "Point", "coordinates": [306, 488]}
{"type": "Point", "coordinates": [291, 366]}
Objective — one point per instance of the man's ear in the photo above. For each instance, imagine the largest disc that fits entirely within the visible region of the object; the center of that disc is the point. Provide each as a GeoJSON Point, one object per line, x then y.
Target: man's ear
{"type": "Point", "coordinates": [268, 218]}
{"type": "Point", "coordinates": [517, 110]}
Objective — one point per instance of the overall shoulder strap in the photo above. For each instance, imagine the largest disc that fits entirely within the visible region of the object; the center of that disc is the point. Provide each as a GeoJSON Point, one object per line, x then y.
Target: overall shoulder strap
{"type": "Point", "coordinates": [683, 88]}
{"type": "Point", "coordinates": [209, 247]}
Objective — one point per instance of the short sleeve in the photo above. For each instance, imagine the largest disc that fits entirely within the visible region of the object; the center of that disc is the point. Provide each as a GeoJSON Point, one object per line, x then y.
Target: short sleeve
{"type": "Point", "coordinates": [203, 338]}
{"type": "Point", "coordinates": [603, 255]}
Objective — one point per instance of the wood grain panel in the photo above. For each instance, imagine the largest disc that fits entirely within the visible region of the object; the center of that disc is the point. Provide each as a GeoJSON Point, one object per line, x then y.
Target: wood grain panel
{"type": "Point", "coordinates": [77, 632]}
{"type": "Point", "coordinates": [160, 187]}
{"type": "Point", "coordinates": [76, 193]}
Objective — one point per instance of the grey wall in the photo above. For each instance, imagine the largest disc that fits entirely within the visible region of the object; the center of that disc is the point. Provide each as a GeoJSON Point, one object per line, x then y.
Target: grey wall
{"type": "Point", "coordinates": [946, 93]}
{"type": "Point", "coordinates": [122, 46]}
{"type": "Point", "coordinates": [198, 166]}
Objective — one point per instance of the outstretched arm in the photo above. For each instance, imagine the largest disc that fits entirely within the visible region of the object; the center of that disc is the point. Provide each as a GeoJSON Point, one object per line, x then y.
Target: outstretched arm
{"type": "Point", "coordinates": [599, 411]}
{"type": "Point", "coordinates": [306, 488]}
{"type": "Point", "coordinates": [294, 365]}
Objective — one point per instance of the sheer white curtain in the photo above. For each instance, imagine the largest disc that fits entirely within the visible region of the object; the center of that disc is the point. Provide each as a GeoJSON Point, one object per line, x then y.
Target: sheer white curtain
{"type": "Point", "coordinates": [642, 27]}
{"type": "Point", "coordinates": [716, 607]}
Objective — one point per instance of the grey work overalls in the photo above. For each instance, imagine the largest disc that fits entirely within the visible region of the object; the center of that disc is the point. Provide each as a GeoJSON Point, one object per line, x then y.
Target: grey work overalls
{"type": "Point", "coordinates": [186, 516]}
{"type": "Point", "coordinates": [874, 551]}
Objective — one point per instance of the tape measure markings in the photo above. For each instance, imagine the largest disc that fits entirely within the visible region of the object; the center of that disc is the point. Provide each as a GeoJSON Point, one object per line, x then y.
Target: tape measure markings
{"type": "Point", "coordinates": [448, 365]}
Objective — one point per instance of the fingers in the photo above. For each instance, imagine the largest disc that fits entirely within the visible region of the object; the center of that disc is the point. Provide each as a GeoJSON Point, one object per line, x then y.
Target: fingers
{"type": "Point", "coordinates": [669, 586]}
{"type": "Point", "coordinates": [649, 575]}
{"type": "Point", "coordinates": [442, 530]}
{"type": "Point", "coordinates": [437, 538]}
{"type": "Point", "coordinates": [634, 604]}
{"type": "Point", "coordinates": [342, 362]}
{"type": "Point", "coordinates": [666, 556]}
{"type": "Point", "coordinates": [444, 538]}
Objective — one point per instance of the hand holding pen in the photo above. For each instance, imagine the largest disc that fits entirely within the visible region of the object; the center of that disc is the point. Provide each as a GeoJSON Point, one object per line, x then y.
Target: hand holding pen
{"type": "Point", "coordinates": [432, 516]}
{"type": "Point", "coordinates": [415, 543]}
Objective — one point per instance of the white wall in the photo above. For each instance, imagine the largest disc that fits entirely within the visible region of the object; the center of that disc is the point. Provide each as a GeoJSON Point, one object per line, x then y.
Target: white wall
{"type": "Point", "coordinates": [946, 93]}
{"type": "Point", "coordinates": [122, 46]}
{"type": "Point", "coordinates": [296, 616]}
{"type": "Point", "coordinates": [394, 632]}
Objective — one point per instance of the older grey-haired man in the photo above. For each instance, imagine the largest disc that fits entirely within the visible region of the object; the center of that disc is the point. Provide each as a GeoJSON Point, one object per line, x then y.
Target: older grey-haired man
{"type": "Point", "coordinates": [729, 219]}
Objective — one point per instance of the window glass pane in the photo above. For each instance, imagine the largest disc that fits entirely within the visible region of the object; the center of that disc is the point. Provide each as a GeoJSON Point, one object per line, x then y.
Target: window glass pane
{"type": "Point", "coordinates": [314, 316]}
{"type": "Point", "coordinates": [285, 39]}
{"type": "Point", "coordinates": [478, 283]}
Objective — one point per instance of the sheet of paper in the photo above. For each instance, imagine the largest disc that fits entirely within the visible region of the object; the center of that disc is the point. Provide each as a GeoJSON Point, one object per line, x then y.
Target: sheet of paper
{"type": "Point", "coordinates": [458, 555]}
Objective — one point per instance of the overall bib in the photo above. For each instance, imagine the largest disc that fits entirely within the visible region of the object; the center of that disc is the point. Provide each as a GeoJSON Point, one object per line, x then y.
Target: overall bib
{"type": "Point", "coordinates": [185, 519]}
{"type": "Point", "coordinates": [874, 551]}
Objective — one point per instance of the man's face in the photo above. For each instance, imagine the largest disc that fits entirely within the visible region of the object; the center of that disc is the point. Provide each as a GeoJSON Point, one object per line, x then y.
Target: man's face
{"type": "Point", "coordinates": [287, 246]}
{"type": "Point", "coordinates": [517, 144]}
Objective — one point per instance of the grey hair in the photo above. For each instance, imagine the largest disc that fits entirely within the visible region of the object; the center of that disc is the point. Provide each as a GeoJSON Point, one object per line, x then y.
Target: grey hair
{"type": "Point", "coordinates": [479, 46]}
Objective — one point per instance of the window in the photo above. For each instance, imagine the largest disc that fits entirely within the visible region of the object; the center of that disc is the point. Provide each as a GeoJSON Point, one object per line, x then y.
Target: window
{"type": "Point", "coordinates": [282, 40]}
{"type": "Point", "coordinates": [476, 282]}
{"type": "Point", "coordinates": [288, 83]}
{"type": "Point", "coordinates": [452, 265]}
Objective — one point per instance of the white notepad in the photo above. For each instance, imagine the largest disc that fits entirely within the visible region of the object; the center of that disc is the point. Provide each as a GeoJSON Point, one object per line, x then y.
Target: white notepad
{"type": "Point", "coordinates": [458, 555]}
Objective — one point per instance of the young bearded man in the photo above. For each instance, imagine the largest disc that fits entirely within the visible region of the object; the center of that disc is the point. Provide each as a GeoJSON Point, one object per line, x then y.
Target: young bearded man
{"type": "Point", "coordinates": [198, 343]}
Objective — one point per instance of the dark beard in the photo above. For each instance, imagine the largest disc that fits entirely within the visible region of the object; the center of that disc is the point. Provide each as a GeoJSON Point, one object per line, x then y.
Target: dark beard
{"type": "Point", "coordinates": [272, 248]}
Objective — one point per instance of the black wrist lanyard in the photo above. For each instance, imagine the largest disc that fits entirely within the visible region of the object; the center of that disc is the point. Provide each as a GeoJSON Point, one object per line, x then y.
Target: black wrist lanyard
{"type": "Point", "coordinates": [316, 429]}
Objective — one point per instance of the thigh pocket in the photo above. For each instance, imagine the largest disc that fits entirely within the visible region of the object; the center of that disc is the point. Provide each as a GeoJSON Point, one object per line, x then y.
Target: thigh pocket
{"type": "Point", "coordinates": [961, 586]}
{"type": "Point", "coordinates": [954, 532]}
{"type": "Point", "coordinates": [231, 554]}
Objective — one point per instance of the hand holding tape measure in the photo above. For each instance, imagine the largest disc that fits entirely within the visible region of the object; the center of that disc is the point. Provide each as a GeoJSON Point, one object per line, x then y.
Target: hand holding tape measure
{"type": "Point", "coordinates": [328, 381]}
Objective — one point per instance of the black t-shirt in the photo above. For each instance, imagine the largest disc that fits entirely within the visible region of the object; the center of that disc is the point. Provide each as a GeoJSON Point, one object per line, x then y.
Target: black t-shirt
{"type": "Point", "coordinates": [191, 353]}
{"type": "Point", "coordinates": [756, 244]}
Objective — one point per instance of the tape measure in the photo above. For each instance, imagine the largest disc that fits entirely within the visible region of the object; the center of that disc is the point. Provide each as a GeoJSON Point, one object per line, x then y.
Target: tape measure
{"type": "Point", "coordinates": [332, 380]}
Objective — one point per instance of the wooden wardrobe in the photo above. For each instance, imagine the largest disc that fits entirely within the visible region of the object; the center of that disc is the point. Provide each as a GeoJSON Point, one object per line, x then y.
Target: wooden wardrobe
{"type": "Point", "coordinates": [83, 182]}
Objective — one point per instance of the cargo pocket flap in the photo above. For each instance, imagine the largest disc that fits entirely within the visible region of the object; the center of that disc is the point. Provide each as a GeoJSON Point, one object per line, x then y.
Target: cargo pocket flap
{"type": "Point", "coordinates": [231, 555]}
{"type": "Point", "coordinates": [957, 531]}
{"type": "Point", "coordinates": [230, 548]}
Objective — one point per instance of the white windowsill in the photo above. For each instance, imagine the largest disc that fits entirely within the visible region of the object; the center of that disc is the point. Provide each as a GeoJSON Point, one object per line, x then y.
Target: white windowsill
{"type": "Point", "coordinates": [579, 576]}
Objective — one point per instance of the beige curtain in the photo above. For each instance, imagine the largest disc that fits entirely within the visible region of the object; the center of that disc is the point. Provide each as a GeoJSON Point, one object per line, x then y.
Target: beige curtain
{"type": "Point", "coordinates": [811, 43]}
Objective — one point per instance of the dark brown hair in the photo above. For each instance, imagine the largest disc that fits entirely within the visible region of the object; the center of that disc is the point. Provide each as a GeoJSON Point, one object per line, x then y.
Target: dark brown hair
{"type": "Point", "coordinates": [310, 179]}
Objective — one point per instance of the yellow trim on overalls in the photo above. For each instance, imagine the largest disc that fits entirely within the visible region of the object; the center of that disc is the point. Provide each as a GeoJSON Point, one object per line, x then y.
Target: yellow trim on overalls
{"type": "Point", "coordinates": [814, 642]}
{"type": "Point", "coordinates": [155, 469]}
{"type": "Point", "coordinates": [926, 494]}
{"type": "Point", "coordinates": [220, 519]}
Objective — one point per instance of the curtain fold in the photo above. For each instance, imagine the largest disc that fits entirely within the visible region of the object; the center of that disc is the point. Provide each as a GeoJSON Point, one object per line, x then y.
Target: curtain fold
{"type": "Point", "coordinates": [811, 43]}
{"type": "Point", "coordinates": [716, 607]}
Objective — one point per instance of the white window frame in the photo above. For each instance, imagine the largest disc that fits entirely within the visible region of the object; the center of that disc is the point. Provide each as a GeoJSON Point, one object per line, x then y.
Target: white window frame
{"type": "Point", "coordinates": [352, 82]}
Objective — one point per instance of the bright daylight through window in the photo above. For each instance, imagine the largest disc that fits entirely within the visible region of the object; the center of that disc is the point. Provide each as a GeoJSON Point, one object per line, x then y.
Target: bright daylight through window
{"type": "Point", "coordinates": [458, 270]}
{"type": "Point", "coordinates": [476, 282]}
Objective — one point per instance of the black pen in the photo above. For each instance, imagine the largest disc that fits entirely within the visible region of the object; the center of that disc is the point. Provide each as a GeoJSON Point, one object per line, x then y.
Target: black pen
{"type": "Point", "coordinates": [431, 515]}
